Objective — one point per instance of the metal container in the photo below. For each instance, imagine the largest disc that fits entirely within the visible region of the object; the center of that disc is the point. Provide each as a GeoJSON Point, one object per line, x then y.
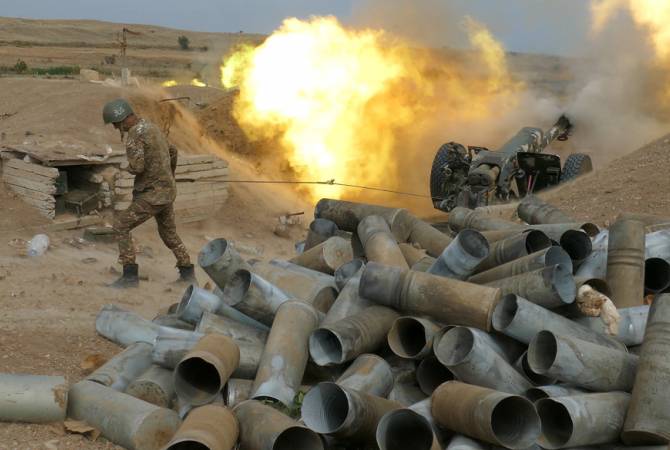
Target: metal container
{"type": "Point", "coordinates": [462, 218]}
{"type": "Point", "coordinates": [431, 373]}
{"type": "Point", "coordinates": [319, 231]}
{"type": "Point", "coordinates": [238, 390]}
{"type": "Point", "coordinates": [327, 256]}
{"type": "Point", "coordinates": [240, 332]}
{"type": "Point", "coordinates": [300, 283]}
{"type": "Point", "coordinates": [501, 419]}
{"type": "Point", "coordinates": [201, 374]}
{"type": "Point", "coordinates": [344, 413]}
{"type": "Point", "coordinates": [124, 327]}
{"type": "Point", "coordinates": [118, 372]}
{"type": "Point", "coordinates": [348, 302]}
{"type": "Point", "coordinates": [550, 287]}
{"type": "Point", "coordinates": [220, 260]}
{"type": "Point", "coordinates": [513, 247]}
{"type": "Point", "coordinates": [462, 256]}
{"type": "Point", "coordinates": [254, 296]}
{"type": "Point", "coordinates": [347, 338]}
{"type": "Point", "coordinates": [196, 301]}
{"type": "Point", "coordinates": [379, 244]}
{"type": "Point", "coordinates": [32, 398]}
{"type": "Point", "coordinates": [649, 413]}
{"type": "Point", "coordinates": [522, 320]}
{"type": "Point", "coordinates": [285, 356]}
{"type": "Point", "coordinates": [264, 428]}
{"type": "Point", "coordinates": [582, 363]}
{"type": "Point", "coordinates": [412, 337]}
{"type": "Point", "coordinates": [209, 427]}
{"type": "Point", "coordinates": [587, 419]}
{"type": "Point", "coordinates": [471, 359]}
{"type": "Point", "coordinates": [442, 299]}
{"type": "Point", "coordinates": [547, 257]}
{"type": "Point", "coordinates": [370, 374]}
{"type": "Point", "coordinates": [122, 419]}
{"type": "Point", "coordinates": [625, 263]}
{"type": "Point", "coordinates": [402, 429]}
{"type": "Point", "coordinates": [155, 386]}
{"type": "Point", "coordinates": [656, 275]}
{"type": "Point", "coordinates": [534, 210]}
{"type": "Point", "coordinates": [632, 324]}
{"type": "Point", "coordinates": [577, 244]}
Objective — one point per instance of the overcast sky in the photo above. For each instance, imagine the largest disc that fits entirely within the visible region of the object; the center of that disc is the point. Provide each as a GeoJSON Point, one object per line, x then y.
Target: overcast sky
{"type": "Point", "coordinates": [547, 26]}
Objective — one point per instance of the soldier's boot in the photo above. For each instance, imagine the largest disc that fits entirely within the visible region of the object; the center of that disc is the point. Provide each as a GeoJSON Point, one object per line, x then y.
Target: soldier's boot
{"type": "Point", "coordinates": [187, 275]}
{"type": "Point", "coordinates": [129, 279]}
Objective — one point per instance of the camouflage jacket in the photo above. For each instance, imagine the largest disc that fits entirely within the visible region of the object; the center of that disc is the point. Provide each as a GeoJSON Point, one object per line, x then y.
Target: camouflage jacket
{"type": "Point", "coordinates": [153, 161]}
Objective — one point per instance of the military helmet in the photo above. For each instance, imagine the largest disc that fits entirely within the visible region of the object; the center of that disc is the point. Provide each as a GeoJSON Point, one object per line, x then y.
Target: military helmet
{"type": "Point", "coordinates": [116, 111]}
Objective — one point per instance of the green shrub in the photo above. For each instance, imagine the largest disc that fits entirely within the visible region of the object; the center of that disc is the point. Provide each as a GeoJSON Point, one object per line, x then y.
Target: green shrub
{"type": "Point", "coordinates": [183, 42]}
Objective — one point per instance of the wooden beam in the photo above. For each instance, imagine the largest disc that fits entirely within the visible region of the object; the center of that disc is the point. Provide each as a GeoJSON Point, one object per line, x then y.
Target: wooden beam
{"type": "Point", "coordinates": [27, 184]}
{"type": "Point", "coordinates": [33, 168]}
{"type": "Point", "coordinates": [217, 173]}
{"type": "Point", "coordinates": [201, 167]}
{"type": "Point", "coordinates": [32, 194]}
{"type": "Point", "coordinates": [28, 176]}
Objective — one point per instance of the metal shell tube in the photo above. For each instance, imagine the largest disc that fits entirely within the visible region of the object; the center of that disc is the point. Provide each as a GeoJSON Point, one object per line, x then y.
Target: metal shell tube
{"type": "Point", "coordinates": [595, 265]}
{"type": "Point", "coordinates": [209, 427]}
{"type": "Point", "coordinates": [300, 283]}
{"type": "Point", "coordinates": [555, 390]}
{"type": "Point", "coordinates": [648, 416]}
{"type": "Point", "coordinates": [656, 275]}
{"type": "Point", "coordinates": [344, 413]}
{"type": "Point", "coordinates": [582, 363]}
{"type": "Point", "coordinates": [632, 324]}
{"type": "Point", "coordinates": [555, 230]}
{"type": "Point", "coordinates": [412, 254]}
{"type": "Point", "coordinates": [550, 287]}
{"type": "Point", "coordinates": [521, 365]}
{"type": "Point", "coordinates": [577, 244]}
{"type": "Point", "coordinates": [379, 244]}
{"type": "Point", "coordinates": [285, 356]}
{"type": "Point", "coordinates": [461, 218]}
{"type": "Point", "coordinates": [469, 357]}
{"type": "Point", "coordinates": [431, 373]}
{"type": "Point", "coordinates": [657, 245]}
{"type": "Point", "coordinates": [406, 394]}
{"type": "Point", "coordinates": [240, 332]}
{"type": "Point", "coordinates": [625, 263]}
{"type": "Point", "coordinates": [118, 372]}
{"type": "Point", "coordinates": [254, 296]}
{"type": "Point", "coordinates": [319, 231]}
{"type": "Point", "coordinates": [534, 210]}
{"type": "Point", "coordinates": [426, 236]}
{"type": "Point", "coordinates": [348, 271]}
{"type": "Point", "coordinates": [124, 327]}
{"type": "Point", "coordinates": [155, 386]}
{"type": "Point", "coordinates": [544, 258]}
{"type": "Point", "coordinates": [172, 321]}
{"type": "Point", "coordinates": [520, 319]}
{"type": "Point", "coordinates": [368, 373]}
{"type": "Point", "coordinates": [402, 429]}
{"type": "Point", "coordinates": [516, 246]}
{"type": "Point", "coordinates": [348, 302]}
{"type": "Point", "coordinates": [459, 442]}
{"type": "Point", "coordinates": [462, 256]}
{"type": "Point", "coordinates": [587, 419]}
{"type": "Point", "coordinates": [220, 260]}
{"type": "Point", "coordinates": [327, 256]}
{"type": "Point", "coordinates": [196, 301]}
{"type": "Point", "coordinates": [495, 417]}
{"type": "Point", "coordinates": [32, 398]}
{"type": "Point", "coordinates": [201, 374]}
{"type": "Point", "coordinates": [443, 299]}
{"type": "Point", "coordinates": [412, 337]}
{"type": "Point", "coordinates": [122, 419]}
{"type": "Point", "coordinates": [264, 428]}
{"type": "Point", "coordinates": [347, 338]}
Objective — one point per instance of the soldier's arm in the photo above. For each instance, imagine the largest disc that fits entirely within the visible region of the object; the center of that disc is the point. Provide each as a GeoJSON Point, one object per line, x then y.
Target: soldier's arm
{"type": "Point", "coordinates": [174, 156]}
{"type": "Point", "coordinates": [135, 154]}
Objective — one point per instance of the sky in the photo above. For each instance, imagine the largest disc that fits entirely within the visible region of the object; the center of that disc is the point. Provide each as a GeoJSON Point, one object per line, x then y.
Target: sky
{"type": "Point", "coordinates": [541, 26]}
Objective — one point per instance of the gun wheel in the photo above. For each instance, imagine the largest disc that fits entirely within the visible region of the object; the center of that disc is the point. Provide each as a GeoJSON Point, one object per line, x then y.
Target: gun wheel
{"type": "Point", "coordinates": [437, 176]}
{"type": "Point", "coordinates": [576, 165]}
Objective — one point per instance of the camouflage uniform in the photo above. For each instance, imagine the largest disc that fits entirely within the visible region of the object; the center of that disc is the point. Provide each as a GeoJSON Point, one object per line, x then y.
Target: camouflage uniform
{"type": "Point", "coordinates": [153, 161]}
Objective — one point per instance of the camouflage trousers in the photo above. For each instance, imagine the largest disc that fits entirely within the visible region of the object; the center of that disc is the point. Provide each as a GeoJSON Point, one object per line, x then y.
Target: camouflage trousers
{"type": "Point", "coordinates": [139, 212]}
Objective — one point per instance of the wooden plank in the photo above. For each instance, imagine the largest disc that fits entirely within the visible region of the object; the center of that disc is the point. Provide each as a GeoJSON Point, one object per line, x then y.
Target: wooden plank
{"type": "Point", "coordinates": [201, 167]}
{"type": "Point", "coordinates": [28, 176]}
{"type": "Point", "coordinates": [39, 204]}
{"type": "Point", "coordinates": [209, 174]}
{"type": "Point", "coordinates": [27, 184]}
{"type": "Point", "coordinates": [34, 168]}
{"type": "Point", "coordinates": [32, 194]}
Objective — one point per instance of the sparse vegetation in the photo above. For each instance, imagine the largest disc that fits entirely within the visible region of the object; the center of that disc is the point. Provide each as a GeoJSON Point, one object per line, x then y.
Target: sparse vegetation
{"type": "Point", "coordinates": [184, 42]}
{"type": "Point", "coordinates": [20, 66]}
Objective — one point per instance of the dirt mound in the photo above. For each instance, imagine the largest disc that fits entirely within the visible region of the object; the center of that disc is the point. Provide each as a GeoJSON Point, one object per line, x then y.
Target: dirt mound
{"type": "Point", "coordinates": [636, 182]}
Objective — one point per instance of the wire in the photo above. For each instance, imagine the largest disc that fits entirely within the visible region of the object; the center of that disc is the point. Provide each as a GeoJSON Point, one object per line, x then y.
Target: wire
{"type": "Point", "coordinates": [327, 183]}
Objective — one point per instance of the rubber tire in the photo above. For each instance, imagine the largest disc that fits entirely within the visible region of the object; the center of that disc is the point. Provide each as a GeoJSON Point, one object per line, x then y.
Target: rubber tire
{"type": "Point", "coordinates": [437, 176]}
{"type": "Point", "coordinates": [576, 165]}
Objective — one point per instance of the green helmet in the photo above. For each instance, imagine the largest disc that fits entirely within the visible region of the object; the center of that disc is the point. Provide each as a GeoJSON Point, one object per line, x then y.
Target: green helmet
{"type": "Point", "coordinates": [116, 111]}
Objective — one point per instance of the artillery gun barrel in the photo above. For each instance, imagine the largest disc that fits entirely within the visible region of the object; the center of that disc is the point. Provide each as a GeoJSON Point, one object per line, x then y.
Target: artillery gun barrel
{"type": "Point", "coordinates": [535, 140]}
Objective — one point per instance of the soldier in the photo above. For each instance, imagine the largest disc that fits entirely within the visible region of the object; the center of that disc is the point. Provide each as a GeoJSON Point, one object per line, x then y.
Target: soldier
{"type": "Point", "coordinates": [153, 162]}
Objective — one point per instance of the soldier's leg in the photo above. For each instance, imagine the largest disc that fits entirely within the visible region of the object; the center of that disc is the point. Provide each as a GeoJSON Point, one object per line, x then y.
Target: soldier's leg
{"type": "Point", "coordinates": [137, 213]}
{"type": "Point", "coordinates": [168, 232]}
